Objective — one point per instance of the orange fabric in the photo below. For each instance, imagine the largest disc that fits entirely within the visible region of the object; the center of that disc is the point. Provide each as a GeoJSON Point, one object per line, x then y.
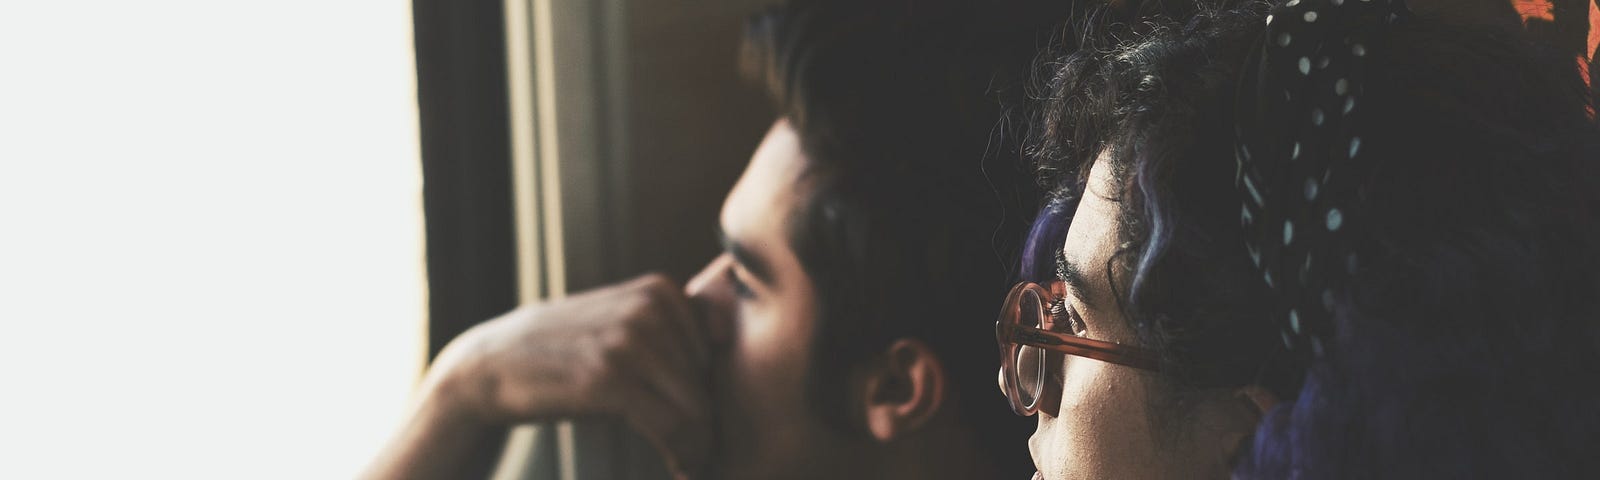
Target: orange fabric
{"type": "Point", "coordinates": [1594, 27]}
{"type": "Point", "coordinates": [1544, 10]}
{"type": "Point", "coordinates": [1594, 41]}
{"type": "Point", "coordinates": [1535, 9]}
{"type": "Point", "coordinates": [1583, 69]}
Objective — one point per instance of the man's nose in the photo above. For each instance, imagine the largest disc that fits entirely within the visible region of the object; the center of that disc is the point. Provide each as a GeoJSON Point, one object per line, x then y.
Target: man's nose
{"type": "Point", "coordinates": [713, 299]}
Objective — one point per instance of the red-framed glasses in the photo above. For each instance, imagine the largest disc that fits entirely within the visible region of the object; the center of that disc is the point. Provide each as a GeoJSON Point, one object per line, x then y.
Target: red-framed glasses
{"type": "Point", "coordinates": [1024, 343]}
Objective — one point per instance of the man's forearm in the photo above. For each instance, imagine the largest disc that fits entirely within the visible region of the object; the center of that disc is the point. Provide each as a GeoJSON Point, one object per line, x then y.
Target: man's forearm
{"type": "Point", "coordinates": [437, 442]}
{"type": "Point", "coordinates": [592, 353]}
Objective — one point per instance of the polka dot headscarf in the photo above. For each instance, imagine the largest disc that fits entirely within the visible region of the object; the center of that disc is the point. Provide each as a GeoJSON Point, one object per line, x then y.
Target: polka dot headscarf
{"type": "Point", "coordinates": [1299, 123]}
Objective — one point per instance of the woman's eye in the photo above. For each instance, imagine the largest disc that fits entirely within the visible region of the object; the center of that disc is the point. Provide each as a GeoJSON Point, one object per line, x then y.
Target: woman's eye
{"type": "Point", "coordinates": [740, 289]}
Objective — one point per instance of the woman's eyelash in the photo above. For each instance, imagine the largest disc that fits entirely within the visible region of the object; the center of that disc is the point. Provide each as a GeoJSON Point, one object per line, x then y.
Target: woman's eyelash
{"type": "Point", "coordinates": [1060, 313]}
{"type": "Point", "coordinates": [1058, 307]}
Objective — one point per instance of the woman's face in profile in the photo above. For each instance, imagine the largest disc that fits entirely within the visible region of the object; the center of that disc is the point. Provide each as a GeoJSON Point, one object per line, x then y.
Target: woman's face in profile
{"type": "Point", "coordinates": [1095, 417]}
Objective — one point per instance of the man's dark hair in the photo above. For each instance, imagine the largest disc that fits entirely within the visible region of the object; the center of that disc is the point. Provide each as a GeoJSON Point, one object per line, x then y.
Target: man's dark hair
{"type": "Point", "coordinates": [916, 197]}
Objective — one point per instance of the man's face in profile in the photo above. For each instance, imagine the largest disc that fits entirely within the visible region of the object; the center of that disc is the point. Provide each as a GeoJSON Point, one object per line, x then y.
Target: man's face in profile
{"type": "Point", "coordinates": [762, 295]}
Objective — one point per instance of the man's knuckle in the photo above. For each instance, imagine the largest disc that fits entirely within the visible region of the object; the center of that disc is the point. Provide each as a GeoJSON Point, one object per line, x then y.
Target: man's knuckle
{"type": "Point", "coordinates": [596, 377]}
{"type": "Point", "coordinates": [611, 338]}
{"type": "Point", "coordinates": [654, 280]}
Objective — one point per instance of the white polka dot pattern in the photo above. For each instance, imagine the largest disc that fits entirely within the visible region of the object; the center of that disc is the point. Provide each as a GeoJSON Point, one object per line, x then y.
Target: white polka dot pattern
{"type": "Point", "coordinates": [1298, 129]}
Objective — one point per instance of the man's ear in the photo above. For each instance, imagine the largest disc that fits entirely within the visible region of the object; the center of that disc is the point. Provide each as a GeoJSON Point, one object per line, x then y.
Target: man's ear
{"type": "Point", "coordinates": [904, 390]}
{"type": "Point", "coordinates": [1246, 408]}
{"type": "Point", "coordinates": [1258, 399]}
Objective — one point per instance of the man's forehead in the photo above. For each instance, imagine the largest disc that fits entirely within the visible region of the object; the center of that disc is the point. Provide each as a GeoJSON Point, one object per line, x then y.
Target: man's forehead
{"type": "Point", "coordinates": [761, 201]}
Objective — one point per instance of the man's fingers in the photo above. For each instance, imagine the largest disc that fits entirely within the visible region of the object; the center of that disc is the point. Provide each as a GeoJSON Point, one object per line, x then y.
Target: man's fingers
{"type": "Point", "coordinates": [679, 316]}
{"type": "Point", "coordinates": [668, 404]}
{"type": "Point", "coordinates": [683, 437]}
{"type": "Point", "coordinates": [687, 389]}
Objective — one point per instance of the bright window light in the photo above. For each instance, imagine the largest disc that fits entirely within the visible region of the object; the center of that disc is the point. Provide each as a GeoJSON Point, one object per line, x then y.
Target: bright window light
{"type": "Point", "coordinates": [211, 260]}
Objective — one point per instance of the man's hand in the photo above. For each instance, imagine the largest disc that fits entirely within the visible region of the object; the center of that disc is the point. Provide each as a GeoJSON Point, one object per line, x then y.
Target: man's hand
{"type": "Point", "coordinates": [636, 350]}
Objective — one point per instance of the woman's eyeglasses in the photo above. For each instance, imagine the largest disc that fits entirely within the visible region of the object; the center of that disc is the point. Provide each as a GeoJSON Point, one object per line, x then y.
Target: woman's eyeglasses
{"type": "Point", "coordinates": [1024, 342]}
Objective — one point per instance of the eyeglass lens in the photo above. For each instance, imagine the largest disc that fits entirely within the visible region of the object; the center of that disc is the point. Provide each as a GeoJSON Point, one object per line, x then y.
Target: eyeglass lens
{"type": "Point", "coordinates": [1029, 374]}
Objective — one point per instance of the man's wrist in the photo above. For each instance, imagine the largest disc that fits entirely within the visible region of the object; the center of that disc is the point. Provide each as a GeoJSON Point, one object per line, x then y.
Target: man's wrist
{"type": "Point", "coordinates": [449, 401]}
{"type": "Point", "coordinates": [455, 387]}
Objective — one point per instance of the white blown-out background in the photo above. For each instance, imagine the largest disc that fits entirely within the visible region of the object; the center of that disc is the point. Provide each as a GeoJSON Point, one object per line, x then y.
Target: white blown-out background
{"type": "Point", "coordinates": [211, 257]}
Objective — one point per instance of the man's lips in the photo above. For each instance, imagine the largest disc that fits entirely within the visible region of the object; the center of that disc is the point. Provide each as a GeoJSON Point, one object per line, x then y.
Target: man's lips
{"type": "Point", "coordinates": [1038, 476]}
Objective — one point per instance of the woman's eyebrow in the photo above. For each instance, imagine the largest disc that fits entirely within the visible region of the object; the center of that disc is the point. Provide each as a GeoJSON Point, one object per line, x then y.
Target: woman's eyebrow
{"type": "Point", "coordinates": [1072, 274]}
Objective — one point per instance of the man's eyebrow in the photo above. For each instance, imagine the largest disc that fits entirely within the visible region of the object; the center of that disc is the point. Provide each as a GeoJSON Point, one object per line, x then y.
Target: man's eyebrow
{"type": "Point", "coordinates": [751, 261]}
{"type": "Point", "coordinates": [1072, 274]}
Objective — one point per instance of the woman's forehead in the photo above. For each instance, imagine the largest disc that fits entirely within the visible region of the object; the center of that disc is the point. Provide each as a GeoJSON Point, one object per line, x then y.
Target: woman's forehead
{"type": "Point", "coordinates": [1091, 240]}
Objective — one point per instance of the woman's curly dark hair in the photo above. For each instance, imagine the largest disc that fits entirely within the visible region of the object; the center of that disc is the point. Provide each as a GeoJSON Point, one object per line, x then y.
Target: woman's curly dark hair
{"type": "Point", "coordinates": [1467, 346]}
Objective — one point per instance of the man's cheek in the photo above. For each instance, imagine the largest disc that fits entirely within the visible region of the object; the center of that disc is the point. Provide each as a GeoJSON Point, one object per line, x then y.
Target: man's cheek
{"type": "Point", "coordinates": [756, 366]}
{"type": "Point", "coordinates": [767, 367]}
{"type": "Point", "coordinates": [752, 365]}
{"type": "Point", "coordinates": [760, 341]}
